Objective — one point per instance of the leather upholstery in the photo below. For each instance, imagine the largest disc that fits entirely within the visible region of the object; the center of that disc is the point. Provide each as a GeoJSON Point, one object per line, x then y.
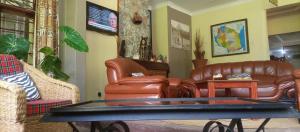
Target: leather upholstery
{"type": "Point", "coordinates": [296, 74]}
{"type": "Point", "coordinates": [122, 85]}
{"type": "Point", "coordinates": [275, 78]}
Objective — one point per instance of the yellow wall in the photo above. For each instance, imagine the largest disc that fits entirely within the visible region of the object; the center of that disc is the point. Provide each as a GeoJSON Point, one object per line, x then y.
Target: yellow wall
{"type": "Point", "coordinates": [160, 31]}
{"type": "Point", "coordinates": [284, 23]}
{"type": "Point", "coordinates": [102, 47]}
{"type": "Point", "coordinates": [254, 11]}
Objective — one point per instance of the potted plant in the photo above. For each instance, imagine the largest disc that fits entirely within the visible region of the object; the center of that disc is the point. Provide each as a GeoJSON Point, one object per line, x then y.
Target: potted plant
{"type": "Point", "coordinates": [51, 64]}
{"type": "Point", "coordinates": [199, 53]}
{"type": "Point", "coordinates": [17, 46]}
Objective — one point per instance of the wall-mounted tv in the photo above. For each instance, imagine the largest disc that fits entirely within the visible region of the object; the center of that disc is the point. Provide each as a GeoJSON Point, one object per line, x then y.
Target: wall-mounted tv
{"type": "Point", "coordinates": [101, 19]}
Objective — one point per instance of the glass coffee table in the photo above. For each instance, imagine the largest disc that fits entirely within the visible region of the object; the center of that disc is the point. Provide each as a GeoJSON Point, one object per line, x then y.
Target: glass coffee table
{"type": "Point", "coordinates": [171, 109]}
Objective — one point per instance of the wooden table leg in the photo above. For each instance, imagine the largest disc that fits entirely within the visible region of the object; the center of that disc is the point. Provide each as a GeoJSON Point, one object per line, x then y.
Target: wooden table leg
{"type": "Point", "coordinates": [253, 90]}
{"type": "Point", "coordinates": [211, 90]}
{"type": "Point", "coordinates": [227, 92]}
{"type": "Point", "coordinates": [197, 92]}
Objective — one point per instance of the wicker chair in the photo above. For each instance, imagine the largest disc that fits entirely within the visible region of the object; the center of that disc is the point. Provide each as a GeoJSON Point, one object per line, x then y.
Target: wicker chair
{"type": "Point", "coordinates": [13, 104]}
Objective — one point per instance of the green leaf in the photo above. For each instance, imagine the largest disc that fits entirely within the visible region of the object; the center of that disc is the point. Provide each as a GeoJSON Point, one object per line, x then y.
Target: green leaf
{"type": "Point", "coordinates": [47, 51]}
{"type": "Point", "coordinates": [73, 39]}
{"type": "Point", "coordinates": [10, 44]}
{"type": "Point", "coordinates": [52, 64]}
{"type": "Point", "coordinates": [49, 63]}
{"type": "Point", "coordinates": [58, 74]}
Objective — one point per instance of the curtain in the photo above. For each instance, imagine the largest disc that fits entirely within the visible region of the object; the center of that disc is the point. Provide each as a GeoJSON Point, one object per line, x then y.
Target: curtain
{"type": "Point", "coordinates": [46, 26]}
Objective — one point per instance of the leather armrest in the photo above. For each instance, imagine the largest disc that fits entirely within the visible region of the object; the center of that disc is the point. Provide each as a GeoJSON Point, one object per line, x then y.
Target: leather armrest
{"type": "Point", "coordinates": [283, 79]}
{"type": "Point", "coordinates": [296, 73]}
{"type": "Point", "coordinates": [190, 84]}
{"type": "Point", "coordinates": [174, 81]}
{"type": "Point", "coordinates": [143, 80]}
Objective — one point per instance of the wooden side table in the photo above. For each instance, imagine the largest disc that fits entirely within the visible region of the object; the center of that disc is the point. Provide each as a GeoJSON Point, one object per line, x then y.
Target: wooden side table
{"type": "Point", "coordinates": [226, 84]}
{"type": "Point", "coordinates": [156, 68]}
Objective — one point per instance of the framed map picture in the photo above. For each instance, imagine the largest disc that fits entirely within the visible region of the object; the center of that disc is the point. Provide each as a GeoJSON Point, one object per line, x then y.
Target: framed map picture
{"type": "Point", "coordinates": [229, 38]}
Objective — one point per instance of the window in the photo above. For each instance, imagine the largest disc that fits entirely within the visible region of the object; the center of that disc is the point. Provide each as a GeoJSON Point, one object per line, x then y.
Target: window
{"type": "Point", "coordinates": [17, 17]}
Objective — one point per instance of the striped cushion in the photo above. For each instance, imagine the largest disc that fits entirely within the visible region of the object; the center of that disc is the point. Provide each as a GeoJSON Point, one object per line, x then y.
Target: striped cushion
{"type": "Point", "coordinates": [9, 65]}
{"type": "Point", "coordinates": [27, 84]}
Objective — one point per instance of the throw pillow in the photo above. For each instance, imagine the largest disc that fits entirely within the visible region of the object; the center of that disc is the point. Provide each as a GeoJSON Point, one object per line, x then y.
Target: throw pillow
{"type": "Point", "coordinates": [137, 74]}
{"type": "Point", "coordinates": [240, 76]}
{"type": "Point", "coordinates": [9, 65]}
{"type": "Point", "coordinates": [24, 80]}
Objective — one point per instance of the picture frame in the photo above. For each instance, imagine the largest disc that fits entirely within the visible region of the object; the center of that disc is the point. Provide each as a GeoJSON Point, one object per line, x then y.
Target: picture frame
{"type": "Point", "coordinates": [230, 38]}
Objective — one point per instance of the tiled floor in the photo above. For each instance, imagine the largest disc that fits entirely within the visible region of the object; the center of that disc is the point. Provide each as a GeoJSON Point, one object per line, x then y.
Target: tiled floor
{"type": "Point", "coordinates": [275, 125]}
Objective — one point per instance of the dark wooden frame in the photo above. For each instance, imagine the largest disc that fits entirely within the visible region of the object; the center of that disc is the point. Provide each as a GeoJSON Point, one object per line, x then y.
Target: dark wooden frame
{"type": "Point", "coordinates": [247, 37]}
{"type": "Point", "coordinates": [89, 27]}
{"type": "Point", "coordinates": [28, 13]}
{"type": "Point", "coordinates": [150, 39]}
{"type": "Point", "coordinates": [18, 10]}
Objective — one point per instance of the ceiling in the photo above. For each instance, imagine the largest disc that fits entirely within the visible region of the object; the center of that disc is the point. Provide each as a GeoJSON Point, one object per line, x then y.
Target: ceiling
{"type": "Point", "coordinates": [196, 5]}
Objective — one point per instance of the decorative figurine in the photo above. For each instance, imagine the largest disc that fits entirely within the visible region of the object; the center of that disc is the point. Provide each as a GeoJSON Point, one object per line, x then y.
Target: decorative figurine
{"type": "Point", "coordinates": [143, 48]}
{"type": "Point", "coordinates": [137, 19]}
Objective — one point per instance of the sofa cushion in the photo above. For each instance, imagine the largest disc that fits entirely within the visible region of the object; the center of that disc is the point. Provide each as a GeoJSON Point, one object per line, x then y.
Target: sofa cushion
{"type": "Point", "coordinates": [9, 65]}
{"type": "Point", "coordinates": [262, 91]}
{"type": "Point", "coordinates": [264, 79]}
{"type": "Point", "coordinates": [42, 106]}
{"type": "Point", "coordinates": [23, 79]}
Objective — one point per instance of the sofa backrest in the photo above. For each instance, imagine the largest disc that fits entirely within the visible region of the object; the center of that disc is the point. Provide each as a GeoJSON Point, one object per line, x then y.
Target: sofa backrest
{"type": "Point", "coordinates": [122, 67]}
{"type": "Point", "coordinates": [267, 68]}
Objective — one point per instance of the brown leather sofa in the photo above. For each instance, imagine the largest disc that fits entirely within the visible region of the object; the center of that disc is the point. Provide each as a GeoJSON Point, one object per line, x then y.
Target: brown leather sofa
{"type": "Point", "coordinates": [121, 83]}
{"type": "Point", "coordinates": [297, 90]}
{"type": "Point", "coordinates": [276, 79]}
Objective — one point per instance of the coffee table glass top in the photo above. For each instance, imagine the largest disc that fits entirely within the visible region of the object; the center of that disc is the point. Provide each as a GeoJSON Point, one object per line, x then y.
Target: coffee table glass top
{"type": "Point", "coordinates": [226, 103]}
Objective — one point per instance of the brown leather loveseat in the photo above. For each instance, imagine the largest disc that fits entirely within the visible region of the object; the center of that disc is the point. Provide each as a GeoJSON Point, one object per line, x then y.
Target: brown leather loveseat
{"type": "Point", "coordinates": [275, 78]}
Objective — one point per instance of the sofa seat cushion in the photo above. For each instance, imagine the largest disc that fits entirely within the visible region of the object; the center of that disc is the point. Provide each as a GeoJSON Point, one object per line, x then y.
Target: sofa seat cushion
{"type": "Point", "coordinates": [262, 91]}
{"type": "Point", "coordinates": [219, 93]}
{"type": "Point", "coordinates": [43, 106]}
{"type": "Point", "coordinates": [264, 79]}
{"type": "Point", "coordinates": [134, 89]}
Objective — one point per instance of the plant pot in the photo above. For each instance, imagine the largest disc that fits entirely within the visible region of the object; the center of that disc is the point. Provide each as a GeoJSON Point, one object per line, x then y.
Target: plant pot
{"type": "Point", "coordinates": [199, 63]}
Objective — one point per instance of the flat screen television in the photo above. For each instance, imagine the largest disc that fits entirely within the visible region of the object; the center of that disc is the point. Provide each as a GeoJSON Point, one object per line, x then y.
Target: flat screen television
{"type": "Point", "coordinates": [101, 19]}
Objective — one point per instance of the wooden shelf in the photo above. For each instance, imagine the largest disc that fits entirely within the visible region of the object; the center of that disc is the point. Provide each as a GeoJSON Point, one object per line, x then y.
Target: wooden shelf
{"type": "Point", "coordinates": [155, 67]}
{"type": "Point", "coordinates": [17, 10]}
{"type": "Point", "coordinates": [283, 10]}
